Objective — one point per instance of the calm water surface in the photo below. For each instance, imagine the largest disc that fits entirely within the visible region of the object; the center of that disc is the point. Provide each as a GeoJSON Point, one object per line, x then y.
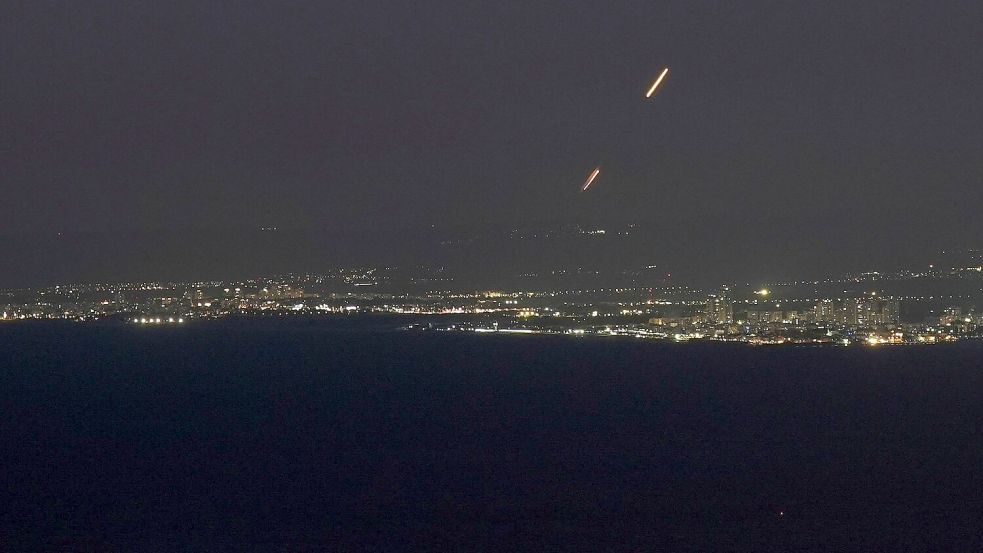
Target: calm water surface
{"type": "Point", "coordinates": [260, 436]}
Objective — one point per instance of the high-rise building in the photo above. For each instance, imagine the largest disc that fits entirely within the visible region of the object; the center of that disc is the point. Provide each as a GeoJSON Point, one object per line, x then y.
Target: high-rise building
{"type": "Point", "coordinates": [765, 315]}
{"type": "Point", "coordinates": [826, 312]}
{"type": "Point", "coordinates": [720, 309]}
{"type": "Point", "coordinates": [864, 312]}
{"type": "Point", "coordinates": [951, 315]}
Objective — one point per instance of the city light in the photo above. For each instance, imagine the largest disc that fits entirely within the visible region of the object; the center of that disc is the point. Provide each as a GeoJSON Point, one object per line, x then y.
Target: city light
{"type": "Point", "coordinates": [841, 310]}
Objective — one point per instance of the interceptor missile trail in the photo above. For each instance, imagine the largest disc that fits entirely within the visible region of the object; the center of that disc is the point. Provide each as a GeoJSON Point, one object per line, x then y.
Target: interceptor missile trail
{"type": "Point", "coordinates": [590, 179]}
{"type": "Point", "coordinates": [655, 85]}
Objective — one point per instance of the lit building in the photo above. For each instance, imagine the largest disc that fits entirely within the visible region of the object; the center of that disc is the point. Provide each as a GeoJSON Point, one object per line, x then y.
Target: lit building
{"type": "Point", "coordinates": [719, 308]}
{"type": "Point", "coordinates": [951, 315]}
{"type": "Point", "coordinates": [766, 315]}
{"type": "Point", "coordinates": [863, 312]}
{"type": "Point", "coordinates": [826, 312]}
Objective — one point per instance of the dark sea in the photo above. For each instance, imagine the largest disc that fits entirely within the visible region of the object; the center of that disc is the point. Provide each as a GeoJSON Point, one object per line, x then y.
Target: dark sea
{"type": "Point", "coordinates": [348, 435]}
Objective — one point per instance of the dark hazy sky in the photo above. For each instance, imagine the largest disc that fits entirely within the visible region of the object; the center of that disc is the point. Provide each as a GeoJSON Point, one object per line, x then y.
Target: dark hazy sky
{"type": "Point", "coordinates": [857, 124]}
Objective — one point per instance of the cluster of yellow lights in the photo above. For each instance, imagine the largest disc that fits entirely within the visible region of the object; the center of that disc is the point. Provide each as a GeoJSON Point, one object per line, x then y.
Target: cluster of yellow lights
{"type": "Point", "coordinates": [896, 338]}
{"type": "Point", "coordinates": [157, 320]}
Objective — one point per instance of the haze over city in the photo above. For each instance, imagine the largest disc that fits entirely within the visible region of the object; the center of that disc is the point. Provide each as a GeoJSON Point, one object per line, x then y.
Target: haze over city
{"type": "Point", "coordinates": [142, 140]}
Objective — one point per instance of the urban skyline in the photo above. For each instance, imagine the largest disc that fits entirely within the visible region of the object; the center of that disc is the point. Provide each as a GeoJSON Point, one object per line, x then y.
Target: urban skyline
{"type": "Point", "coordinates": [931, 305]}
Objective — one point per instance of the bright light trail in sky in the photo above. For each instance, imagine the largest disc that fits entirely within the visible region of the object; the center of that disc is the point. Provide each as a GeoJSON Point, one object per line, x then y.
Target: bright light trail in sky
{"type": "Point", "coordinates": [590, 179]}
{"type": "Point", "coordinates": [655, 85]}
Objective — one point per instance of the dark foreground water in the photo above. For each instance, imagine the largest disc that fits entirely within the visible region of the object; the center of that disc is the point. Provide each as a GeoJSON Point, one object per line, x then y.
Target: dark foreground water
{"type": "Point", "coordinates": [259, 436]}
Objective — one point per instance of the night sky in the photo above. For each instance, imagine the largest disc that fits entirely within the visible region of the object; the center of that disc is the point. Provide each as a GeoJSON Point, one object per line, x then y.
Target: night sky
{"type": "Point", "coordinates": [835, 132]}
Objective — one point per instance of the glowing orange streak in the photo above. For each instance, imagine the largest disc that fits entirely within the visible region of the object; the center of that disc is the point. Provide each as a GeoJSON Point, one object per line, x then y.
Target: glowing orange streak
{"type": "Point", "coordinates": [590, 179]}
{"type": "Point", "coordinates": [655, 85]}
